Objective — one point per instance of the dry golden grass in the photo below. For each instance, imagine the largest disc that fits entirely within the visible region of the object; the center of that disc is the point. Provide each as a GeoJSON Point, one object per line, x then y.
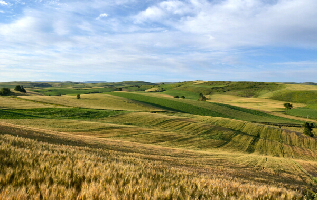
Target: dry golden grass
{"type": "Point", "coordinates": [290, 87]}
{"type": "Point", "coordinates": [272, 107]}
{"type": "Point", "coordinates": [291, 117]}
{"type": "Point", "coordinates": [32, 93]}
{"type": "Point", "coordinates": [300, 87]}
{"type": "Point", "coordinates": [153, 90]}
{"type": "Point", "coordinates": [16, 103]}
{"type": "Point", "coordinates": [199, 82]}
{"type": "Point", "coordinates": [197, 133]}
{"type": "Point", "coordinates": [64, 125]}
{"type": "Point", "coordinates": [251, 103]}
{"type": "Point", "coordinates": [106, 169]}
{"type": "Point", "coordinates": [142, 155]}
{"type": "Point", "coordinates": [95, 101]}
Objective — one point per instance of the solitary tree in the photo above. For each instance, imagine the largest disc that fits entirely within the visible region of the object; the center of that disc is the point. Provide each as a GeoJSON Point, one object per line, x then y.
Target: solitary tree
{"type": "Point", "coordinates": [78, 96]}
{"type": "Point", "coordinates": [202, 97]}
{"type": "Point", "coordinates": [288, 106]}
{"type": "Point", "coordinates": [308, 127]}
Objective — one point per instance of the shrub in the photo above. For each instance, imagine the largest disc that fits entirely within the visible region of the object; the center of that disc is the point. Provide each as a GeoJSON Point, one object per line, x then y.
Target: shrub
{"type": "Point", "coordinates": [202, 97]}
{"type": "Point", "coordinates": [288, 105]}
{"type": "Point", "coordinates": [183, 97]}
{"type": "Point", "coordinates": [78, 96]}
{"type": "Point", "coordinates": [5, 91]}
{"type": "Point", "coordinates": [19, 88]}
{"type": "Point", "coordinates": [308, 127]}
{"type": "Point", "coordinates": [176, 96]}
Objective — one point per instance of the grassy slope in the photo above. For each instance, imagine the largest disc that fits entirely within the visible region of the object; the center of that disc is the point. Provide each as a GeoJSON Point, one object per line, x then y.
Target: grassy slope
{"type": "Point", "coordinates": [16, 103]}
{"type": "Point", "coordinates": [182, 132]}
{"type": "Point", "coordinates": [57, 113]}
{"type": "Point", "coordinates": [264, 104]}
{"type": "Point", "coordinates": [297, 93]}
{"type": "Point", "coordinates": [71, 91]}
{"type": "Point", "coordinates": [112, 169]}
{"type": "Point", "coordinates": [186, 94]}
{"type": "Point", "coordinates": [215, 136]}
{"type": "Point", "coordinates": [303, 112]}
{"type": "Point", "coordinates": [94, 101]}
{"type": "Point", "coordinates": [244, 89]}
{"type": "Point", "coordinates": [204, 108]}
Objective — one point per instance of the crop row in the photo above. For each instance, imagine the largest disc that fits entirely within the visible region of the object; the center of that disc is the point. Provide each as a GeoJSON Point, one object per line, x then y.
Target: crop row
{"type": "Point", "coordinates": [57, 113]}
{"type": "Point", "coordinates": [39, 170]}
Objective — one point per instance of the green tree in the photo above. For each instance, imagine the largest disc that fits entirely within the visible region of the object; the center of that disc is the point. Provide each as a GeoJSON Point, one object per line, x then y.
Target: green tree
{"type": "Point", "coordinates": [202, 97]}
{"type": "Point", "coordinates": [78, 96]}
{"type": "Point", "coordinates": [288, 105]}
{"type": "Point", "coordinates": [5, 91]}
{"type": "Point", "coordinates": [20, 88]}
{"type": "Point", "coordinates": [308, 127]}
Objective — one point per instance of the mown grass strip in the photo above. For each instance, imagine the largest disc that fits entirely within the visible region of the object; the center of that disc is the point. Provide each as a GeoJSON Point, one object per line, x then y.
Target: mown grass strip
{"type": "Point", "coordinates": [57, 113]}
{"type": "Point", "coordinates": [170, 104]}
{"type": "Point", "coordinates": [64, 91]}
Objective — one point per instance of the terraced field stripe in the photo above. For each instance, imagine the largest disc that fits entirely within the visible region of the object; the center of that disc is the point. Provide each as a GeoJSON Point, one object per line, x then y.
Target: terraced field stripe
{"type": "Point", "coordinates": [204, 108]}
{"type": "Point", "coordinates": [170, 104]}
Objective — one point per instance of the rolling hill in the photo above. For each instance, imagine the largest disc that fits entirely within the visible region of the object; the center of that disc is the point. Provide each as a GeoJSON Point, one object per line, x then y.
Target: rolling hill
{"type": "Point", "coordinates": [127, 143]}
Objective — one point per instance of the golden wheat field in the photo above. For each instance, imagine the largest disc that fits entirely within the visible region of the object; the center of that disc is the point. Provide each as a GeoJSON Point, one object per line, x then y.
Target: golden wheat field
{"type": "Point", "coordinates": [146, 152]}
{"type": "Point", "coordinates": [89, 169]}
{"type": "Point", "coordinates": [94, 101]}
{"type": "Point", "coordinates": [252, 103]}
{"type": "Point", "coordinates": [17, 103]}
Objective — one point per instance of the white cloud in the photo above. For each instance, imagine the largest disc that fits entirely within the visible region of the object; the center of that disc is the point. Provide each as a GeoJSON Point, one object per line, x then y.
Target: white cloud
{"type": "Point", "coordinates": [187, 38]}
{"type": "Point", "coordinates": [163, 10]}
{"type": "Point", "coordinates": [299, 63]}
{"type": "Point", "coordinates": [102, 16]}
{"type": "Point", "coordinates": [3, 3]}
{"type": "Point", "coordinates": [235, 23]}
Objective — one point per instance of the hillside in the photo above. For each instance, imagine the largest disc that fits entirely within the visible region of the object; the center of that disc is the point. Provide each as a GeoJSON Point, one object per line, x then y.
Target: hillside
{"type": "Point", "coordinates": [150, 144]}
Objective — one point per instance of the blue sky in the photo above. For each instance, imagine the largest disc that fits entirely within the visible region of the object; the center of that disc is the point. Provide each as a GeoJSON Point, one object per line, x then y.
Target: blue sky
{"type": "Point", "coordinates": [153, 40]}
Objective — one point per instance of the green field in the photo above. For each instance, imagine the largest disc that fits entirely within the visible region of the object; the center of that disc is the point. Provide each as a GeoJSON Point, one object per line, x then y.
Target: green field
{"type": "Point", "coordinates": [297, 96]}
{"type": "Point", "coordinates": [126, 143]}
{"type": "Point", "coordinates": [186, 94]}
{"type": "Point", "coordinates": [243, 89]}
{"type": "Point", "coordinates": [303, 112]}
{"type": "Point", "coordinates": [205, 108]}
{"type": "Point", "coordinates": [64, 91]}
{"type": "Point", "coordinates": [57, 113]}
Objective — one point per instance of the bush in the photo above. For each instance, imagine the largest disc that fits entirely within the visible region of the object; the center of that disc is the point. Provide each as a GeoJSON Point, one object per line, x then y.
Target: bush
{"type": "Point", "coordinates": [308, 127]}
{"type": "Point", "coordinates": [78, 96]}
{"type": "Point", "coordinates": [5, 91]}
{"type": "Point", "coordinates": [288, 105]}
{"type": "Point", "coordinates": [19, 88]}
{"type": "Point", "coordinates": [183, 97]}
{"type": "Point", "coordinates": [202, 97]}
{"type": "Point", "coordinates": [176, 96]}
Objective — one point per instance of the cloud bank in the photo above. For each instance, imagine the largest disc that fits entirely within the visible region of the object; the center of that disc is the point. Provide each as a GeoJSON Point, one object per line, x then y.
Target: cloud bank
{"type": "Point", "coordinates": [268, 40]}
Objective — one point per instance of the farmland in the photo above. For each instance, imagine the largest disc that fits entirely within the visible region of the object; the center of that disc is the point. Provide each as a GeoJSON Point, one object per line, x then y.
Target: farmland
{"type": "Point", "coordinates": [126, 143]}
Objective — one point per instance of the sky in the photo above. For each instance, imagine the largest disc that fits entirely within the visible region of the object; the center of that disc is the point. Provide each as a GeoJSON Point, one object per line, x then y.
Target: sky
{"type": "Point", "coordinates": [155, 40]}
